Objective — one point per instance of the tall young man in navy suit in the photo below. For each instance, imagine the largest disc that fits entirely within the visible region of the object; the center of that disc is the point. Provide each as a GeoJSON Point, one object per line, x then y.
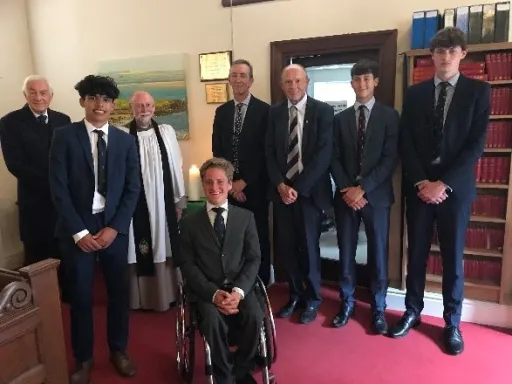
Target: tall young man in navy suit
{"type": "Point", "coordinates": [94, 182]}
{"type": "Point", "coordinates": [364, 158]}
{"type": "Point", "coordinates": [444, 122]}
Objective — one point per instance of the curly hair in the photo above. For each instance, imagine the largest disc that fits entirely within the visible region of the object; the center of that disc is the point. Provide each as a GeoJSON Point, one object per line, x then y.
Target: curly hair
{"type": "Point", "coordinates": [93, 85]}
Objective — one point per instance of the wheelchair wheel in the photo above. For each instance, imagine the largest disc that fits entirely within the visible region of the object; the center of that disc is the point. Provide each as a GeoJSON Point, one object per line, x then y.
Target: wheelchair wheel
{"type": "Point", "coordinates": [185, 338]}
{"type": "Point", "coordinates": [269, 326]}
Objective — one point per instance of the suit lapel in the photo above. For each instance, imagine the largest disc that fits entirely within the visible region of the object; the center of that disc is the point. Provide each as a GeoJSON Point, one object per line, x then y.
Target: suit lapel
{"type": "Point", "coordinates": [458, 97]}
{"type": "Point", "coordinates": [231, 226]}
{"type": "Point", "coordinates": [231, 119]}
{"type": "Point", "coordinates": [83, 138]}
{"type": "Point", "coordinates": [352, 127]}
{"type": "Point", "coordinates": [374, 118]}
{"type": "Point", "coordinates": [112, 144]}
{"type": "Point", "coordinates": [430, 101]}
{"type": "Point", "coordinates": [31, 122]}
{"type": "Point", "coordinates": [205, 225]}
{"type": "Point", "coordinates": [308, 118]}
{"type": "Point", "coordinates": [284, 128]}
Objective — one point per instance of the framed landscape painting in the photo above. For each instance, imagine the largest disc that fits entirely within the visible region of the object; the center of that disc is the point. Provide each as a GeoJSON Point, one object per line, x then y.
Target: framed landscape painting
{"type": "Point", "coordinates": [163, 77]}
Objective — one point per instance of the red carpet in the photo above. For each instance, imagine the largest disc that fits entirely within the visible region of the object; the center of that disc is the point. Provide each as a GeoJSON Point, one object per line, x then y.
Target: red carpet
{"type": "Point", "coordinates": [317, 354]}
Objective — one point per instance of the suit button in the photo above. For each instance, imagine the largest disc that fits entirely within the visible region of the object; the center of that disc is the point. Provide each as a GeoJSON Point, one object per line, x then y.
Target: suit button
{"type": "Point", "coordinates": [223, 255]}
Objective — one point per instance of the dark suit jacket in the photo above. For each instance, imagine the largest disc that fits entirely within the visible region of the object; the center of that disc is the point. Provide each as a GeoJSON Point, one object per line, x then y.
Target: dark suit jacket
{"type": "Point", "coordinates": [206, 265]}
{"type": "Point", "coordinates": [251, 152]}
{"type": "Point", "coordinates": [465, 131]}
{"type": "Point", "coordinates": [314, 181]}
{"type": "Point", "coordinates": [380, 154]}
{"type": "Point", "coordinates": [72, 179]}
{"type": "Point", "coordinates": [26, 149]}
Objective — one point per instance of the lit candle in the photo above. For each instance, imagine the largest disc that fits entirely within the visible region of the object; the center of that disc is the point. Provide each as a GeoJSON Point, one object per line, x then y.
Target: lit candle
{"type": "Point", "coordinates": [194, 184]}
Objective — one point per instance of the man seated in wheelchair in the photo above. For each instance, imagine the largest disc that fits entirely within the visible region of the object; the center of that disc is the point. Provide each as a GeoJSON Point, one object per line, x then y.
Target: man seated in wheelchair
{"type": "Point", "coordinates": [219, 261]}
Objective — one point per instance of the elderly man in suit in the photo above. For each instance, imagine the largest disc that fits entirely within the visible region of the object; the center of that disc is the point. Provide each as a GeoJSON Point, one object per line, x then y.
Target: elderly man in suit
{"type": "Point", "coordinates": [95, 185]}
{"type": "Point", "coordinates": [444, 125]}
{"type": "Point", "coordinates": [298, 152]}
{"type": "Point", "coordinates": [26, 137]}
{"type": "Point", "coordinates": [365, 156]}
{"type": "Point", "coordinates": [239, 131]}
{"type": "Point", "coordinates": [219, 261]}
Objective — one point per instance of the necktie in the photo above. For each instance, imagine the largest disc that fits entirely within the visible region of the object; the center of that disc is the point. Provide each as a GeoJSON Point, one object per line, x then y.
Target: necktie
{"type": "Point", "coordinates": [218, 225]}
{"type": "Point", "coordinates": [437, 133]}
{"type": "Point", "coordinates": [41, 119]}
{"type": "Point", "coordinates": [292, 159]}
{"type": "Point", "coordinates": [361, 131]}
{"type": "Point", "coordinates": [102, 163]}
{"type": "Point", "coordinates": [236, 135]}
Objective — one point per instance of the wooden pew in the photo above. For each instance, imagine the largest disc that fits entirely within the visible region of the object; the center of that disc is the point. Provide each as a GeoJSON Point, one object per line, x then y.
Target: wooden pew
{"type": "Point", "coordinates": [32, 349]}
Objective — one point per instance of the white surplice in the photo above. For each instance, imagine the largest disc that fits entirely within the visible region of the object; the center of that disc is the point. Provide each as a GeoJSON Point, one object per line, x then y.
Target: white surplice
{"type": "Point", "coordinates": [153, 179]}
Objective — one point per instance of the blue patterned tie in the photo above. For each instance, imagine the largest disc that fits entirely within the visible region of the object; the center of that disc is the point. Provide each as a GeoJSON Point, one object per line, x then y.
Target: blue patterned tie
{"type": "Point", "coordinates": [218, 225]}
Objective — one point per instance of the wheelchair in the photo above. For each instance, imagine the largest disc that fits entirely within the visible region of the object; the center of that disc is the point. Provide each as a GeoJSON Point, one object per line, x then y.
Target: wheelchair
{"type": "Point", "coordinates": [186, 327]}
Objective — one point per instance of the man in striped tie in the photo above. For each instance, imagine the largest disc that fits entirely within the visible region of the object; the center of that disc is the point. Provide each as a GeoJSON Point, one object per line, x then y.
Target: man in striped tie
{"type": "Point", "coordinates": [298, 152]}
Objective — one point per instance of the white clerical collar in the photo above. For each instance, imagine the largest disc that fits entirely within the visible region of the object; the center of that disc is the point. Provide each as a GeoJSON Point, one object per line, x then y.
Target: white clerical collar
{"type": "Point", "coordinates": [91, 128]}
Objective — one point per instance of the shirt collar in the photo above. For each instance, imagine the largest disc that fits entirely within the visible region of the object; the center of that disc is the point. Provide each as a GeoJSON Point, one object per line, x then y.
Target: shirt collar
{"type": "Point", "coordinates": [452, 81]}
{"type": "Point", "coordinates": [36, 115]}
{"type": "Point", "coordinates": [369, 104]}
{"type": "Point", "coordinates": [210, 206]}
{"type": "Point", "coordinates": [244, 102]}
{"type": "Point", "coordinates": [91, 128]}
{"type": "Point", "coordinates": [301, 105]}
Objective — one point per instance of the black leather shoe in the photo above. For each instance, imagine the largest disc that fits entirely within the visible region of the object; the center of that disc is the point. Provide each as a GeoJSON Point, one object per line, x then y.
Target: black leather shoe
{"type": "Point", "coordinates": [408, 321]}
{"type": "Point", "coordinates": [453, 341]}
{"type": "Point", "coordinates": [82, 373]}
{"type": "Point", "coordinates": [290, 307]}
{"type": "Point", "coordinates": [308, 315]}
{"type": "Point", "coordinates": [380, 326]}
{"type": "Point", "coordinates": [342, 317]}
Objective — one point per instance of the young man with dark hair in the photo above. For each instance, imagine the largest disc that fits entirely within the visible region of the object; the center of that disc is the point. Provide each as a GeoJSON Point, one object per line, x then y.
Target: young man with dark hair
{"type": "Point", "coordinates": [95, 184]}
{"type": "Point", "coordinates": [219, 260]}
{"type": "Point", "coordinates": [443, 124]}
{"type": "Point", "coordinates": [364, 158]}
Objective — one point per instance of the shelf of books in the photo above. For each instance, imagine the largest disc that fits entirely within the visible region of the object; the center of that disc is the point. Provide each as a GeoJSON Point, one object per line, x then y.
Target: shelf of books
{"type": "Point", "coordinates": [488, 251]}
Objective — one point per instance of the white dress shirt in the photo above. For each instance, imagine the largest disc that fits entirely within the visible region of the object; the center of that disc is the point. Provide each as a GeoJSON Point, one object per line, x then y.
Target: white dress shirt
{"type": "Point", "coordinates": [98, 201]}
{"type": "Point", "coordinates": [301, 113]}
{"type": "Point", "coordinates": [211, 215]}
{"type": "Point", "coordinates": [36, 114]}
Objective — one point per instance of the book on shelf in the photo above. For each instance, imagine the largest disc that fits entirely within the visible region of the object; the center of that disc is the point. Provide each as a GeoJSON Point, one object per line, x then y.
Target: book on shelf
{"type": "Point", "coordinates": [487, 205]}
{"type": "Point", "coordinates": [481, 236]}
{"type": "Point", "coordinates": [492, 170]}
{"type": "Point", "coordinates": [485, 271]}
{"type": "Point", "coordinates": [499, 134]}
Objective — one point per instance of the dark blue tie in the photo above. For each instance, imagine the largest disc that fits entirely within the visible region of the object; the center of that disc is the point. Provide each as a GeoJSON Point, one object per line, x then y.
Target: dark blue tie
{"type": "Point", "coordinates": [218, 225]}
{"type": "Point", "coordinates": [41, 119]}
{"type": "Point", "coordinates": [102, 163]}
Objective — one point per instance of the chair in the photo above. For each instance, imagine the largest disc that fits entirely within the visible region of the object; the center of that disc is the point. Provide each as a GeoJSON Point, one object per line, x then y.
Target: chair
{"type": "Point", "coordinates": [186, 327]}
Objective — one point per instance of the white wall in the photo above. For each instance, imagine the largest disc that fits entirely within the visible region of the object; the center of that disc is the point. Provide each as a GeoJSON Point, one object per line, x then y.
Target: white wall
{"type": "Point", "coordinates": [15, 65]}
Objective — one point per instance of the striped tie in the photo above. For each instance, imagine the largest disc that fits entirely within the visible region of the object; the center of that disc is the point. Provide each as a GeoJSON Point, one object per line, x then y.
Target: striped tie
{"type": "Point", "coordinates": [293, 147]}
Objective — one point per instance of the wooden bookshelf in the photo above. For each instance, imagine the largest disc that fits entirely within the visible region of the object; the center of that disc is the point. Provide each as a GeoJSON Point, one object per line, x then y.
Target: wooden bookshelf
{"type": "Point", "coordinates": [498, 288]}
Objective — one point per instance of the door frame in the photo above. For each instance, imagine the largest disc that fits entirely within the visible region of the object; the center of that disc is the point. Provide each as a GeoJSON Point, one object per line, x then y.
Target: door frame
{"type": "Point", "coordinates": [384, 41]}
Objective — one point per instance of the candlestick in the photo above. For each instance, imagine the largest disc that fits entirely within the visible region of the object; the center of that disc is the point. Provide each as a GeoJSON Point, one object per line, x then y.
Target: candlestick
{"type": "Point", "coordinates": [194, 184]}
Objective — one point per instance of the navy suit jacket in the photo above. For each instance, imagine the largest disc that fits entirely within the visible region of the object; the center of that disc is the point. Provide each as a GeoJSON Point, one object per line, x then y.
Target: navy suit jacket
{"type": "Point", "coordinates": [26, 148]}
{"type": "Point", "coordinates": [314, 181]}
{"type": "Point", "coordinates": [72, 179]}
{"type": "Point", "coordinates": [251, 146]}
{"type": "Point", "coordinates": [465, 131]}
{"type": "Point", "coordinates": [380, 154]}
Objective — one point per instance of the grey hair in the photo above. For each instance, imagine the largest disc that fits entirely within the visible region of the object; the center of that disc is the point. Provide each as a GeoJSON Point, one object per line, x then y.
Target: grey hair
{"type": "Point", "coordinates": [32, 78]}
{"type": "Point", "coordinates": [220, 163]}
